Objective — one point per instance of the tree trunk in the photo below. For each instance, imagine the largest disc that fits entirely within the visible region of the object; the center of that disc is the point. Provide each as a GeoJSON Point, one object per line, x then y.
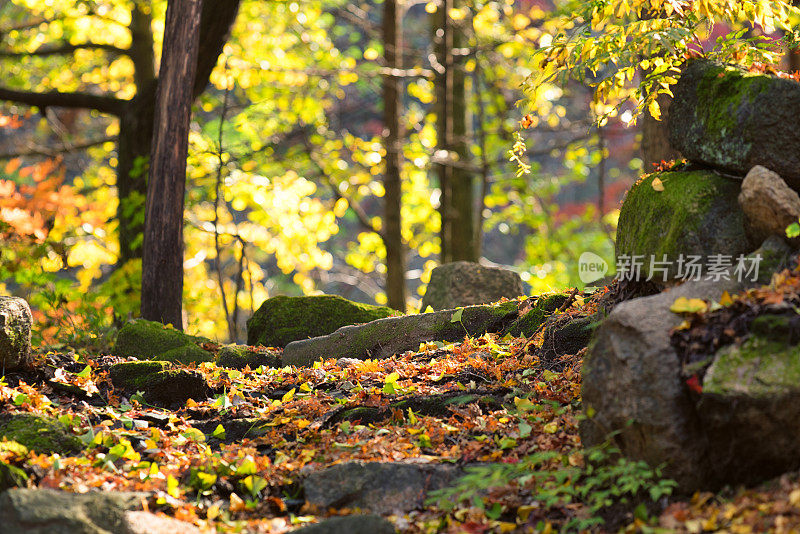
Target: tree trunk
{"type": "Point", "coordinates": [655, 137]}
{"type": "Point", "coordinates": [392, 229]}
{"type": "Point", "coordinates": [462, 191]}
{"type": "Point", "coordinates": [162, 264]}
{"type": "Point", "coordinates": [455, 181]}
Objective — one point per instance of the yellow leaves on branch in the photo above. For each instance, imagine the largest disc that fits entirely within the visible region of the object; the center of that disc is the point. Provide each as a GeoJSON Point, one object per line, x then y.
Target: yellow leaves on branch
{"type": "Point", "coordinates": [632, 50]}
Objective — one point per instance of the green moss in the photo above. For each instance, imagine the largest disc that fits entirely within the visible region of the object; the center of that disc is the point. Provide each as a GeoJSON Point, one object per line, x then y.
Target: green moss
{"type": "Point", "coordinates": [154, 341]}
{"type": "Point", "coordinates": [161, 384]}
{"type": "Point", "coordinates": [40, 434]}
{"type": "Point", "coordinates": [281, 320]}
{"type": "Point", "coordinates": [529, 323]}
{"type": "Point", "coordinates": [241, 356]}
{"type": "Point", "coordinates": [721, 93]}
{"type": "Point", "coordinates": [11, 477]}
{"type": "Point", "coordinates": [135, 375]}
{"type": "Point", "coordinates": [697, 213]}
{"type": "Point", "coordinates": [759, 367]}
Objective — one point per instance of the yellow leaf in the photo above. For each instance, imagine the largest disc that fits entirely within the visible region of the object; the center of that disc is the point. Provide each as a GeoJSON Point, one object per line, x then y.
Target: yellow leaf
{"type": "Point", "coordinates": [302, 423]}
{"type": "Point", "coordinates": [654, 110]}
{"type": "Point", "coordinates": [657, 184]}
{"type": "Point", "coordinates": [289, 395]}
{"type": "Point", "coordinates": [726, 299]}
{"type": "Point", "coordinates": [686, 305]}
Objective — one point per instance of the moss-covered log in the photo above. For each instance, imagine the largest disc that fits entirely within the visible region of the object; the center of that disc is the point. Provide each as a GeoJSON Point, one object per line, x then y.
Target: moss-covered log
{"type": "Point", "coordinates": [732, 119]}
{"type": "Point", "coordinates": [393, 335]}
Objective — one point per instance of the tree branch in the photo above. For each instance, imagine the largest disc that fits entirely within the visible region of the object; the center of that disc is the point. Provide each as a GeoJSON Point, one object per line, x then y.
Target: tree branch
{"type": "Point", "coordinates": [48, 152]}
{"type": "Point", "coordinates": [101, 103]}
{"type": "Point", "coordinates": [65, 48]}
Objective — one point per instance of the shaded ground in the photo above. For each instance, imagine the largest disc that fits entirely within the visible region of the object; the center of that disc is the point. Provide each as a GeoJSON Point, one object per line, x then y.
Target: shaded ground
{"type": "Point", "coordinates": [237, 461]}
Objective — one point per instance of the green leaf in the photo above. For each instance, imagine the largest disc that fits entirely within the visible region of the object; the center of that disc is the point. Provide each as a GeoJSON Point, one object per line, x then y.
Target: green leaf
{"type": "Point", "coordinates": [219, 432]}
{"type": "Point", "coordinates": [87, 371]}
{"type": "Point", "coordinates": [793, 230]}
{"type": "Point", "coordinates": [456, 318]}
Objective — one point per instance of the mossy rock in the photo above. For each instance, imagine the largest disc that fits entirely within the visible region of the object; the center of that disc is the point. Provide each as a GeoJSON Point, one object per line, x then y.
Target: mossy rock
{"type": "Point", "coordinates": [160, 384]}
{"type": "Point", "coordinates": [395, 335]}
{"type": "Point", "coordinates": [568, 336]}
{"type": "Point", "coordinates": [760, 367]}
{"type": "Point", "coordinates": [241, 356]}
{"type": "Point", "coordinates": [11, 477]}
{"type": "Point", "coordinates": [281, 320]}
{"type": "Point", "coordinates": [529, 323]}
{"type": "Point", "coordinates": [732, 119]}
{"type": "Point", "coordinates": [151, 340]}
{"type": "Point", "coordinates": [40, 434]}
{"type": "Point", "coordinates": [696, 214]}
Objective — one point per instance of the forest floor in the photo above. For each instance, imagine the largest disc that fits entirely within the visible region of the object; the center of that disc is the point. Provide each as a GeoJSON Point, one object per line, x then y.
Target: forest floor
{"type": "Point", "coordinates": [484, 401]}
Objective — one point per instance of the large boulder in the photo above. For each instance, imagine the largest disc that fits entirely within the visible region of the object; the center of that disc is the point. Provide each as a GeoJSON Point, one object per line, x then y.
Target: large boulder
{"type": "Point", "coordinates": [378, 487]}
{"type": "Point", "coordinates": [732, 119]}
{"type": "Point", "coordinates": [15, 333]}
{"type": "Point", "coordinates": [752, 391]}
{"type": "Point", "coordinates": [464, 283]}
{"type": "Point", "coordinates": [159, 383]}
{"type": "Point", "coordinates": [394, 335]}
{"type": "Point", "coordinates": [632, 385]}
{"type": "Point", "coordinates": [769, 205]}
{"type": "Point", "coordinates": [684, 213]}
{"type": "Point", "coordinates": [281, 320]}
{"type": "Point", "coordinates": [38, 433]}
{"type": "Point", "coordinates": [151, 340]}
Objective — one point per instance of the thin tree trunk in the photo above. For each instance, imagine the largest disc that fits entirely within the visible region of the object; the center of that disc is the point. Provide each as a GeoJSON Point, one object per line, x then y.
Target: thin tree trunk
{"type": "Point", "coordinates": [456, 201]}
{"type": "Point", "coordinates": [162, 264]}
{"type": "Point", "coordinates": [392, 231]}
{"type": "Point", "coordinates": [461, 188]}
{"type": "Point", "coordinates": [655, 137]}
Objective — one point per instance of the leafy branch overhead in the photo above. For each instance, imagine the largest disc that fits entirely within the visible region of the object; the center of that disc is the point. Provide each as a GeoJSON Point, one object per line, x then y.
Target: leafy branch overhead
{"type": "Point", "coordinates": [631, 51]}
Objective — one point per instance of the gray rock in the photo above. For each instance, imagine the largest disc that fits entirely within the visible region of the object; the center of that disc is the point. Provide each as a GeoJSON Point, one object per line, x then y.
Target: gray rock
{"type": "Point", "coordinates": [241, 356]}
{"type": "Point", "coordinates": [34, 511]}
{"type": "Point", "coordinates": [281, 320]}
{"type": "Point", "coordinates": [731, 119]}
{"type": "Point", "coordinates": [393, 335]}
{"type": "Point", "coordinates": [692, 213]}
{"type": "Point", "coordinates": [752, 392]}
{"type": "Point", "coordinates": [378, 487]}
{"type": "Point", "coordinates": [768, 203]}
{"type": "Point", "coordinates": [15, 332]}
{"type": "Point", "coordinates": [350, 524]}
{"type": "Point", "coordinates": [160, 383]}
{"type": "Point", "coordinates": [464, 283]}
{"type": "Point", "coordinates": [632, 385]}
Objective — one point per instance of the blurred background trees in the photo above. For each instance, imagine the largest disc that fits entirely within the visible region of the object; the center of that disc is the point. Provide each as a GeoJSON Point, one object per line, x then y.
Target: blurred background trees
{"type": "Point", "coordinates": [335, 146]}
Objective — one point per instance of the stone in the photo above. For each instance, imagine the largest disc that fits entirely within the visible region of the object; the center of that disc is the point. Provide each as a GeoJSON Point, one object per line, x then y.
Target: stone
{"type": "Point", "coordinates": [159, 382]}
{"type": "Point", "coordinates": [632, 386]}
{"type": "Point", "coordinates": [11, 476]}
{"type": "Point", "coordinates": [696, 214]}
{"type": "Point", "coordinates": [151, 340]}
{"type": "Point", "coordinates": [732, 119]}
{"type": "Point", "coordinates": [752, 392]}
{"type": "Point", "coordinates": [45, 511]}
{"type": "Point", "coordinates": [350, 524]}
{"type": "Point", "coordinates": [464, 283]}
{"type": "Point", "coordinates": [241, 356]}
{"type": "Point", "coordinates": [15, 333]}
{"type": "Point", "coordinates": [281, 320]}
{"type": "Point", "coordinates": [394, 335]}
{"type": "Point", "coordinates": [769, 205]}
{"type": "Point", "coordinates": [569, 335]}
{"type": "Point", "coordinates": [378, 487]}
{"type": "Point", "coordinates": [530, 322]}
{"type": "Point", "coordinates": [38, 433]}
